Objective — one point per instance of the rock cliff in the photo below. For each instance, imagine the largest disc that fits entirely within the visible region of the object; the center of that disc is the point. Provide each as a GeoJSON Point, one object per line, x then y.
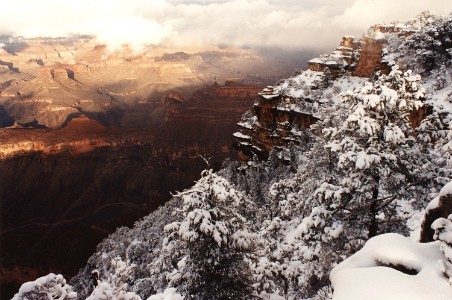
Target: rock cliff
{"type": "Point", "coordinates": [282, 112]}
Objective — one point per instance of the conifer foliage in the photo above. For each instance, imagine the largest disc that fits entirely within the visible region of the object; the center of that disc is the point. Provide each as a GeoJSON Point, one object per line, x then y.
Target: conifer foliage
{"type": "Point", "coordinates": [443, 233]}
{"type": "Point", "coordinates": [49, 287]}
{"type": "Point", "coordinates": [376, 151]}
{"type": "Point", "coordinates": [216, 241]}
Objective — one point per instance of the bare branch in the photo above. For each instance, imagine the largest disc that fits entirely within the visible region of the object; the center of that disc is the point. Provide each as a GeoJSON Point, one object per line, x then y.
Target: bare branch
{"type": "Point", "coordinates": [206, 159]}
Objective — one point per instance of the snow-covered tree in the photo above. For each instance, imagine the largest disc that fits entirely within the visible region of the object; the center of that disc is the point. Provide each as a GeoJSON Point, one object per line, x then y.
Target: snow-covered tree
{"type": "Point", "coordinates": [138, 246]}
{"type": "Point", "coordinates": [363, 176]}
{"type": "Point", "coordinates": [376, 151]}
{"type": "Point", "coordinates": [443, 233]}
{"type": "Point", "coordinates": [49, 287]}
{"type": "Point", "coordinates": [117, 284]}
{"type": "Point", "coordinates": [428, 48]}
{"type": "Point", "coordinates": [215, 240]}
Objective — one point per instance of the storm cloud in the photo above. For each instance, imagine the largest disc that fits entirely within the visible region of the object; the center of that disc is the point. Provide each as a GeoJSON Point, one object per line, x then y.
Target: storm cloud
{"type": "Point", "coordinates": [293, 24]}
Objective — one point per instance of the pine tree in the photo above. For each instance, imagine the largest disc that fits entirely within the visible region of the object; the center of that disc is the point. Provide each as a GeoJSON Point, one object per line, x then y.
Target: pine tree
{"type": "Point", "coordinates": [216, 242]}
{"type": "Point", "coordinates": [377, 153]}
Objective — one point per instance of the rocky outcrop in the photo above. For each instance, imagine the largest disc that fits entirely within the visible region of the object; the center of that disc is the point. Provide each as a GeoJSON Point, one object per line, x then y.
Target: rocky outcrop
{"type": "Point", "coordinates": [271, 125]}
{"type": "Point", "coordinates": [280, 113]}
{"type": "Point", "coordinates": [439, 207]}
{"type": "Point", "coordinates": [362, 57]}
{"type": "Point", "coordinates": [81, 135]}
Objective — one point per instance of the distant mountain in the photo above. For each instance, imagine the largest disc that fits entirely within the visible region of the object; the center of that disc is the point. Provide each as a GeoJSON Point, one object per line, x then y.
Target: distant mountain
{"type": "Point", "coordinates": [43, 82]}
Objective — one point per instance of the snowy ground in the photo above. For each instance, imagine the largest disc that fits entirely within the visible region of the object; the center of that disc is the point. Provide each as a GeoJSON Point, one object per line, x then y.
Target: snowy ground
{"type": "Point", "coordinates": [371, 274]}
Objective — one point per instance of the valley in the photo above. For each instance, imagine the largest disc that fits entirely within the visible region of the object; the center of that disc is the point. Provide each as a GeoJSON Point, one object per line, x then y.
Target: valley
{"type": "Point", "coordinates": [92, 140]}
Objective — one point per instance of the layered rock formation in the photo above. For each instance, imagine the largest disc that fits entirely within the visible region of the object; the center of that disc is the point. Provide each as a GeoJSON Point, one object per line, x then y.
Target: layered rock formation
{"type": "Point", "coordinates": [43, 82]}
{"type": "Point", "coordinates": [271, 125]}
{"type": "Point", "coordinates": [361, 57]}
{"type": "Point", "coordinates": [81, 135]}
{"type": "Point", "coordinates": [281, 112]}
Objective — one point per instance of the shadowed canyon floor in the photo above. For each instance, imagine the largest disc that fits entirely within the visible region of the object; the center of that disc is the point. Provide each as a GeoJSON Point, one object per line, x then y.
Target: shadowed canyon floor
{"type": "Point", "coordinates": [63, 190]}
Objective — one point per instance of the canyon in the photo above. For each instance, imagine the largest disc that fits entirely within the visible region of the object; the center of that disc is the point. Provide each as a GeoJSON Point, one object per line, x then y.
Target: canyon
{"type": "Point", "coordinates": [64, 190]}
{"type": "Point", "coordinates": [93, 139]}
{"type": "Point", "coordinates": [44, 82]}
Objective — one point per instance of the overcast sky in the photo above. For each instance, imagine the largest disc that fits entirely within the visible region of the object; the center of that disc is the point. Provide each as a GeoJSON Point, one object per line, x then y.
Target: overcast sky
{"type": "Point", "coordinates": [296, 24]}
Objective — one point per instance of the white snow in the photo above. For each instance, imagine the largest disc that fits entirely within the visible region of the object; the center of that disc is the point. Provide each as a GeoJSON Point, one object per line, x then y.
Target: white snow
{"type": "Point", "coordinates": [241, 136]}
{"type": "Point", "coordinates": [53, 285]}
{"type": "Point", "coordinates": [393, 133]}
{"type": "Point", "coordinates": [446, 225]}
{"type": "Point", "coordinates": [368, 275]}
{"type": "Point", "coordinates": [168, 294]}
{"type": "Point", "coordinates": [379, 36]}
{"type": "Point", "coordinates": [446, 190]}
{"type": "Point", "coordinates": [316, 61]}
{"type": "Point", "coordinates": [105, 291]}
{"type": "Point", "coordinates": [331, 63]}
{"type": "Point", "coordinates": [268, 96]}
{"type": "Point", "coordinates": [245, 125]}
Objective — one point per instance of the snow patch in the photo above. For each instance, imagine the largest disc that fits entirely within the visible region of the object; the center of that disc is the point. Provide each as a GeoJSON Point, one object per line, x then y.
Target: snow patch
{"type": "Point", "coordinates": [168, 294]}
{"type": "Point", "coordinates": [371, 272]}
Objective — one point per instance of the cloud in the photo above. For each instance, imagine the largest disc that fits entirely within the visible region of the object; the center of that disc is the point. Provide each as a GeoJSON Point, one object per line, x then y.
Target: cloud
{"type": "Point", "coordinates": [295, 24]}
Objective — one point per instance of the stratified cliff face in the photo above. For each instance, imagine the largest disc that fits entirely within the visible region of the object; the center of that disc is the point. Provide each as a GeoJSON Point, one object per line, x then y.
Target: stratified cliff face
{"type": "Point", "coordinates": [64, 190]}
{"type": "Point", "coordinates": [360, 57]}
{"type": "Point", "coordinates": [81, 135]}
{"type": "Point", "coordinates": [270, 125]}
{"type": "Point", "coordinates": [282, 112]}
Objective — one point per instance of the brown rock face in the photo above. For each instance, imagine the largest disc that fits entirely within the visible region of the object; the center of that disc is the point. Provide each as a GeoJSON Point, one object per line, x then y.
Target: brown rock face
{"type": "Point", "coordinates": [274, 126]}
{"type": "Point", "coordinates": [442, 210]}
{"type": "Point", "coordinates": [81, 135]}
{"type": "Point", "coordinates": [416, 116]}
{"type": "Point", "coordinates": [370, 57]}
